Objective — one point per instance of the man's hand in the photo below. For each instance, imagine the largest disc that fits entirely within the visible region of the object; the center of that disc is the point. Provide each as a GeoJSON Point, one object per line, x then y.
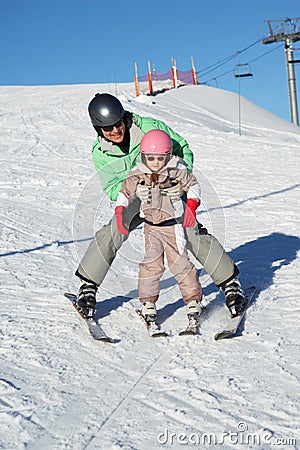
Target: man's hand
{"type": "Point", "coordinates": [143, 192]}
{"type": "Point", "coordinates": [174, 192]}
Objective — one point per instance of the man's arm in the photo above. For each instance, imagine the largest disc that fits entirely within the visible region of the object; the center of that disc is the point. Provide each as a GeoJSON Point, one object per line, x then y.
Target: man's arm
{"type": "Point", "coordinates": [112, 170]}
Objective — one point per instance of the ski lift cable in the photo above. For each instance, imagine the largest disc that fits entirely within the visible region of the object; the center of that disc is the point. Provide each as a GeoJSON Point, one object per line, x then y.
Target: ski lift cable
{"type": "Point", "coordinates": [217, 66]}
{"type": "Point", "coordinates": [266, 53]}
{"type": "Point", "coordinates": [228, 58]}
{"type": "Point", "coordinates": [230, 71]}
{"type": "Point", "coordinates": [215, 78]}
{"type": "Point", "coordinates": [224, 61]}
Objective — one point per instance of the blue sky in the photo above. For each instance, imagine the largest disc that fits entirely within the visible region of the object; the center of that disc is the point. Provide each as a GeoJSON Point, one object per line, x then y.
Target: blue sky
{"type": "Point", "coordinates": [98, 41]}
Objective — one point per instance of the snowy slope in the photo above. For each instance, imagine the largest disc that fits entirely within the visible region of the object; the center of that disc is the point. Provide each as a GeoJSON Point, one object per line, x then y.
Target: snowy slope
{"type": "Point", "coordinates": [59, 389]}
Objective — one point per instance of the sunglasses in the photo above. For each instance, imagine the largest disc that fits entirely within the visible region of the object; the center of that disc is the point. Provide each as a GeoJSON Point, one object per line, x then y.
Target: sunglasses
{"type": "Point", "coordinates": [111, 127]}
{"type": "Point", "coordinates": [153, 158]}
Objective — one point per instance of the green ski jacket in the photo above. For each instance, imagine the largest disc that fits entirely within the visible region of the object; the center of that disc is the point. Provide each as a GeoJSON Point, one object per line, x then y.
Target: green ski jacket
{"type": "Point", "coordinates": [113, 164]}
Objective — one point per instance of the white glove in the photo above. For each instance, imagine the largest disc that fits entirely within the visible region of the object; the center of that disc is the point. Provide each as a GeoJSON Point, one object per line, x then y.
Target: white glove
{"type": "Point", "coordinates": [174, 192]}
{"type": "Point", "coordinates": [143, 192]}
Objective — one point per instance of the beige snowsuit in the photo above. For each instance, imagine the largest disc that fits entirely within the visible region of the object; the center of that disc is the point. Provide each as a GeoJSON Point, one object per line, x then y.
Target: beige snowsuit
{"type": "Point", "coordinates": [163, 231]}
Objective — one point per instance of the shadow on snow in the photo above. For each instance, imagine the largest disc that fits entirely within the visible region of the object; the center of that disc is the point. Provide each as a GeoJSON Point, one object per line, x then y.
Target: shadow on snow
{"type": "Point", "coordinates": [257, 261]}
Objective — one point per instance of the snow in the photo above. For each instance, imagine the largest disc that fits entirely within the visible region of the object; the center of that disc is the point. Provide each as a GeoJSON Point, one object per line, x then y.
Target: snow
{"type": "Point", "coordinates": [60, 389]}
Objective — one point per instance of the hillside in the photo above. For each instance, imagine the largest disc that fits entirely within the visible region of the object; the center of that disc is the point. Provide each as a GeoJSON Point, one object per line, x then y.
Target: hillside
{"type": "Point", "coordinates": [62, 390]}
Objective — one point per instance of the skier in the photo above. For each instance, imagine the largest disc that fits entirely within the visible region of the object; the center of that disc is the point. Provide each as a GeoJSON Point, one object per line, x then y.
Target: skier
{"type": "Point", "coordinates": [163, 228]}
{"type": "Point", "coordinates": [115, 152]}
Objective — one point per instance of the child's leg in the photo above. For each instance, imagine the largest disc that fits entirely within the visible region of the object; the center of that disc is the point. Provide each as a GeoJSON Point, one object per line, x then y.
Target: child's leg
{"type": "Point", "coordinates": [152, 267]}
{"type": "Point", "coordinates": [180, 265]}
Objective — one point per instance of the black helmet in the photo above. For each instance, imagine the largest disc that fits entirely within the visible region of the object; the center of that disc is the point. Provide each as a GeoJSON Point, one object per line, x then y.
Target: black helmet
{"type": "Point", "coordinates": [105, 110]}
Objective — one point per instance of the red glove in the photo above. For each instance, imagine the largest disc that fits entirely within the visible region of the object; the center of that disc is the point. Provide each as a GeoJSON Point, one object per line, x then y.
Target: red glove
{"type": "Point", "coordinates": [119, 219]}
{"type": "Point", "coordinates": [189, 218]}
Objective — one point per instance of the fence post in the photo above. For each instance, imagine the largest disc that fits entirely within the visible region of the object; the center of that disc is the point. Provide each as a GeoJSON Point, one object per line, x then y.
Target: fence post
{"type": "Point", "coordinates": [195, 81]}
{"type": "Point", "coordinates": [149, 79]}
{"type": "Point", "coordinates": [174, 73]}
{"type": "Point", "coordinates": [136, 81]}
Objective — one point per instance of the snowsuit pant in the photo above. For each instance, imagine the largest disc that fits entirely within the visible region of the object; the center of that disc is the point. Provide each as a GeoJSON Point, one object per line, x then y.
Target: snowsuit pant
{"type": "Point", "coordinates": [169, 241]}
{"type": "Point", "coordinates": [103, 249]}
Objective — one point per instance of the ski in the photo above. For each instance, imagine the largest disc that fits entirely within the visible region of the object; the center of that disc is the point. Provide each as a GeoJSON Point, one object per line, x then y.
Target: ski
{"type": "Point", "coordinates": [193, 327]}
{"type": "Point", "coordinates": [231, 327]}
{"type": "Point", "coordinates": [190, 331]}
{"type": "Point", "coordinates": [152, 327]}
{"type": "Point", "coordinates": [94, 327]}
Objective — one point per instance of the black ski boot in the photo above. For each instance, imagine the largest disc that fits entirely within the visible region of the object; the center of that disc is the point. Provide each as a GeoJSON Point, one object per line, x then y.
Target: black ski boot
{"type": "Point", "coordinates": [86, 299]}
{"type": "Point", "coordinates": [235, 297]}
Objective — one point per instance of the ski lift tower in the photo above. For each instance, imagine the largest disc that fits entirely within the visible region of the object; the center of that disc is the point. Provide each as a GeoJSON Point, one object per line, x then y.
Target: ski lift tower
{"type": "Point", "coordinates": [289, 32]}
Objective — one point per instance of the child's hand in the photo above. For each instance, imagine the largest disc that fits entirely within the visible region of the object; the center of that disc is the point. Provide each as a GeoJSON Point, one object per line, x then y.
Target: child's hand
{"type": "Point", "coordinates": [189, 218]}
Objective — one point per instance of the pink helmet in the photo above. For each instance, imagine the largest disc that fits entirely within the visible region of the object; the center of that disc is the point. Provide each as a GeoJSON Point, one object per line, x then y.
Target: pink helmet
{"type": "Point", "coordinates": [156, 141]}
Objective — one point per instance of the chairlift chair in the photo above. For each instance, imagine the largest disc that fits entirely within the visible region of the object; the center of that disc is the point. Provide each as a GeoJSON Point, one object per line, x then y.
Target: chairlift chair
{"type": "Point", "coordinates": [242, 71]}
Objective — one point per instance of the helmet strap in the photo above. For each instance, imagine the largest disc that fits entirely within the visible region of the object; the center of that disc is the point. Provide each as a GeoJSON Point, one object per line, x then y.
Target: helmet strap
{"type": "Point", "coordinates": [98, 130]}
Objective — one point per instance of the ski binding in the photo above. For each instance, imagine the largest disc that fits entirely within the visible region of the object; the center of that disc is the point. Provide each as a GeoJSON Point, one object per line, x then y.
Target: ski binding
{"type": "Point", "coordinates": [94, 327]}
{"type": "Point", "coordinates": [193, 327]}
{"type": "Point", "coordinates": [232, 325]}
{"type": "Point", "coordinates": [152, 327]}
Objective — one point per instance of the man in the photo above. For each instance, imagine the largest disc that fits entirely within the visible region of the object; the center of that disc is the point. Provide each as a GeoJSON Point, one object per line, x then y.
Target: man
{"type": "Point", "coordinates": [115, 152]}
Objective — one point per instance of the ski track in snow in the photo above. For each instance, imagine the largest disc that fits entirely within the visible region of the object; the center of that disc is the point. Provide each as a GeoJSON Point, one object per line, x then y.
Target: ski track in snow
{"type": "Point", "coordinates": [59, 389]}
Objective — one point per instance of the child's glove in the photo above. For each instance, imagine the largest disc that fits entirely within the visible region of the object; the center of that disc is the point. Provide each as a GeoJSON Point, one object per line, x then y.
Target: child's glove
{"type": "Point", "coordinates": [119, 219]}
{"type": "Point", "coordinates": [189, 218]}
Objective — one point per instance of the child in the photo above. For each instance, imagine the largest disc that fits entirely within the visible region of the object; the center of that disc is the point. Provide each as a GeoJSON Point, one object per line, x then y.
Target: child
{"type": "Point", "coordinates": [165, 218]}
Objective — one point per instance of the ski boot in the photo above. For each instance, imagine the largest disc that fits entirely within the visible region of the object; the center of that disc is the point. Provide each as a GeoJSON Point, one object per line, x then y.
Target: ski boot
{"type": "Point", "coordinates": [148, 312]}
{"type": "Point", "coordinates": [148, 315]}
{"type": "Point", "coordinates": [235, 297]}
{"type": "Point", "coordinates": [86, 299]}
{"type": "Point", "coordinates": [193, 310]}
